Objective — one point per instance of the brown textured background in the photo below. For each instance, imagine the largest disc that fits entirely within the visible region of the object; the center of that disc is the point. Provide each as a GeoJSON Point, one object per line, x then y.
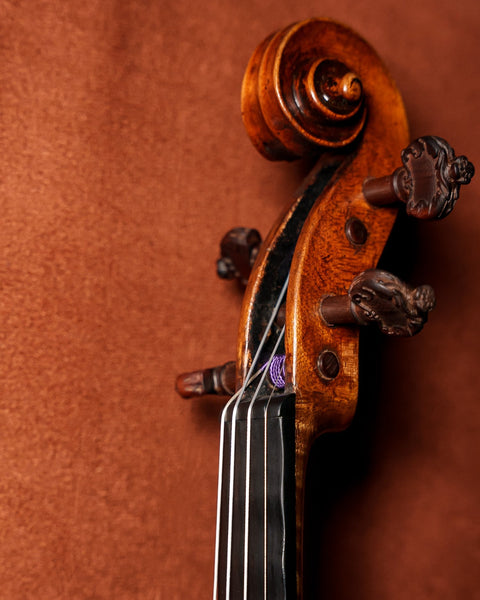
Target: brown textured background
{"type": "Point", "coordinates": [123, 162]}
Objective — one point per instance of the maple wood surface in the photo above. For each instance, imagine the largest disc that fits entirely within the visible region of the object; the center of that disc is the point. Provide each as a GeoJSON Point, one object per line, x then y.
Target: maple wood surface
{"type": "Point", "coordinates": [124, 162]}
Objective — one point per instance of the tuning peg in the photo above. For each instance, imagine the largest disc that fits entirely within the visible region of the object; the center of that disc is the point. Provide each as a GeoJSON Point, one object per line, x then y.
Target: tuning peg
{"type": "Point", "coordinates": [217, 381]}
{"type": "Point", "coordinates": [239, 249]}
{"type": "Point", "coordinates": [429, 181]}
{"type": "Point", "coordinates": [379, 297]}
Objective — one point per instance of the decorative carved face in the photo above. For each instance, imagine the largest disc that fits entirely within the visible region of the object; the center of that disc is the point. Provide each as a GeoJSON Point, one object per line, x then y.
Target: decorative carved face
{"type": "Point", "coordinates": [462, 170]}
{"type": "Point", "coordinates": [432, 177]}
{"type": "Point", "coordinates": [397, 308]}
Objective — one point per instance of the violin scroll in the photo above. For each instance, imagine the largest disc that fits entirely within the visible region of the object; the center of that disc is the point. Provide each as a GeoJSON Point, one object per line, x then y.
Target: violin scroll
{"type": "Point", "coordinates": [428, 183]}
{"type": "Point", "coordinates": [298, 97]}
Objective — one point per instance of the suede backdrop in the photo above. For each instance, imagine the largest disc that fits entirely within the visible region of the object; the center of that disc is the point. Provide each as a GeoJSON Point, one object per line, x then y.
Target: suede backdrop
{"type": "Point", "coordinates": [123, 162]}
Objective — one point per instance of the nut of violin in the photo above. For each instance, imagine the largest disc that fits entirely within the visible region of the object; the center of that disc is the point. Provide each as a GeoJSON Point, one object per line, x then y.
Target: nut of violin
{"type": "Point", "coordinates": [379, 297]}
{"type": "Point", "coordinates": [238, 249]}
{"type": "Point", "coordinates": [429, 181]}
{"type": "Point", "coordinates": [217, 381]}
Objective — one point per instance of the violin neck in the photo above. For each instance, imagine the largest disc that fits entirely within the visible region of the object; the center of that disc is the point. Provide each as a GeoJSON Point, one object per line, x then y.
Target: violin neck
{"type": "Point", "coordinates": [256, 547]}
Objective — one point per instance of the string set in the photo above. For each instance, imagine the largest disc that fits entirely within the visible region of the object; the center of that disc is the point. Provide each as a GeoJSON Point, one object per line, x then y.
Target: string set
{"type": "Point", "coordinates": [235, 400]}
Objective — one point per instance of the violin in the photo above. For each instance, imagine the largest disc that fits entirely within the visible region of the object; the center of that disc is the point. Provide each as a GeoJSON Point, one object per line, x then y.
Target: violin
{"type": "Point", "coordinates": [313, 89]}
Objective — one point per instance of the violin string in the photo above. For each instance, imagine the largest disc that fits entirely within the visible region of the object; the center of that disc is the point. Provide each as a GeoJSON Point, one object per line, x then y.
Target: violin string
{"type": "Point", "coordinates": [236, 399]}
{"type": "Point", "coordinates": [265, 369]}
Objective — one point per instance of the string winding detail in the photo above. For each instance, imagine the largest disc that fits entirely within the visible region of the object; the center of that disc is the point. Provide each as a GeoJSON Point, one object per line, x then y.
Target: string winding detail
{"type": "Point", "coordinates": [276, 371]}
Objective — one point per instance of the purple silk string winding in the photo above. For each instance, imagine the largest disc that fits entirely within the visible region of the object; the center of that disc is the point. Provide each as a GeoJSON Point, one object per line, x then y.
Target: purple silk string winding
{"type": "Point", "coordinates": [277, 371]}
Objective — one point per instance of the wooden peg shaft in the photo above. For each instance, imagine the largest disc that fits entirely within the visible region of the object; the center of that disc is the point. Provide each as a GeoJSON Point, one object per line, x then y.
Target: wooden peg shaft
{"type": "Point", "coordinates": [238, 249]}
{"type": "Point", "coordinates": [379, 297]}
{"type": "Point", "coordinates": [217, 381]}
{"type": "Point", "coordinates": [428, 183]}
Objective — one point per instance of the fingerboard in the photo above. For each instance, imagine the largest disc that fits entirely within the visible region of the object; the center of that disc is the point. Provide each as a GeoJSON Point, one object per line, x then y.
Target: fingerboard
{"type": "Point", "coordinates": [256, 535]}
